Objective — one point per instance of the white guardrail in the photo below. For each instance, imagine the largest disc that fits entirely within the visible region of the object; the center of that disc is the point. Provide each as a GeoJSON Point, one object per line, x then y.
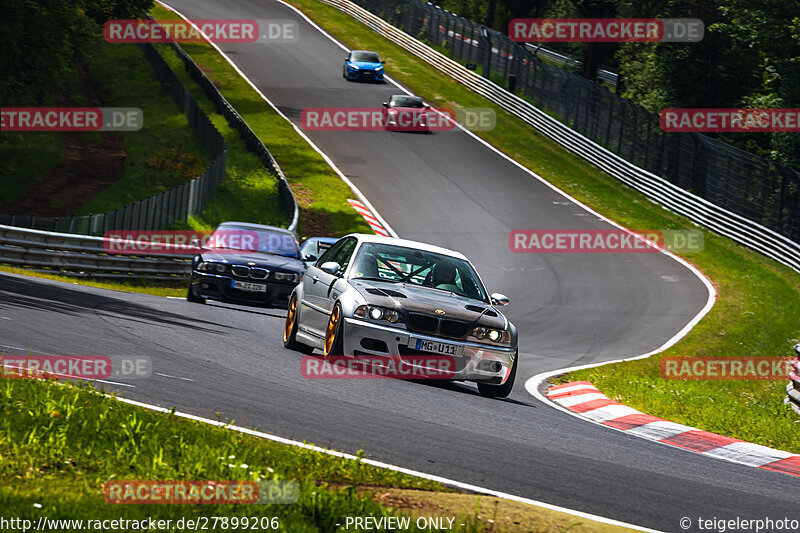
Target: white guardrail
{"type": "Point", "coordinates": [87, 256]}
{"type": "Point", "coordinates": [703, 212]}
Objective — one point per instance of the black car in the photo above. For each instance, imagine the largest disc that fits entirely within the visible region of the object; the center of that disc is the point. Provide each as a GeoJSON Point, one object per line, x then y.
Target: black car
{"type": "Point", "coordinates": [246, 264]}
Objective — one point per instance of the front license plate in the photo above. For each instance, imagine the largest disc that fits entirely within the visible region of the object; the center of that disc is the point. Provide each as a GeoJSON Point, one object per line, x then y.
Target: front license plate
{"type": "Point", "coordinates": [438, 347]}
{"type": "Point", "coordinates": [247, 286]}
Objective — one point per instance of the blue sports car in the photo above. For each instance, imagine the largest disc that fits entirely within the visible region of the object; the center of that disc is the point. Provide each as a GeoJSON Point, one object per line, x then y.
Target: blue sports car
{"type": "Point", "coordinates": [361, 65]}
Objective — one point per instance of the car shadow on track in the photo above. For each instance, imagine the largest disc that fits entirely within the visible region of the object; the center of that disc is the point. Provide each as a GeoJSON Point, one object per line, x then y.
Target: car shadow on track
{"type": "Point", "coordinates": [40, 295]}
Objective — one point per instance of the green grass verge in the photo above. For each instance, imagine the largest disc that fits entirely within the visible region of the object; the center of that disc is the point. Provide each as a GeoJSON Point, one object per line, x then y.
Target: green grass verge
{"type": "Point", "coordinates": [758, 307]}
{"type": "Point", "coordinates": [321, 194]}
{"type": "Point", "coordinates": [60, 443]}
{"type": "Point", "coordinates": [19, 171]}
{"type": "Point", "coordinates": [142, 286]}
{"type": "Point", "coordinates": [163, 154]}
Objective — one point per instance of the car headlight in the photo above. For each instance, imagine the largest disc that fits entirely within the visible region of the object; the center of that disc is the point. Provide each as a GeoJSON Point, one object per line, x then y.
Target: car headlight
{"type": "Point", "coordinates": [493, 336]}
{"type": "Point", "coordinates": [354, 67]}
{"type": "Point", "coordinates": [379, 69]}
{"type": "Point", "coordinates": [211, 267]}
{"type": "Point", "coordinates": [377, 313]}
{"type": "Point", "coordinates": [287, 276]}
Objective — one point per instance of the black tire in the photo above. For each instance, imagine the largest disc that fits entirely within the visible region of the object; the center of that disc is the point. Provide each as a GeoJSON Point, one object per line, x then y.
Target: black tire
{"type": "Point", "coordinates": [500, 391]}
{"type": "Point", "coordinates": [290, 329]}
{"type": "Point", "coordinates": [334, 345]}
{"type": "Point", "coordinates": [344, 73]}
{"type": "Point", "coordinates": [191, 298]}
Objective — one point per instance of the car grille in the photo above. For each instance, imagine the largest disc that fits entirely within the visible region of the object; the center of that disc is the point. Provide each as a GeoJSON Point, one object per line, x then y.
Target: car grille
{"type": "Point", "coordinates": [259, 273]}
{"type": "Point", "coordinates": [247, 272]}
{"type": "Point", "coordinates": [455, 329]}
{"type": "Point", "coordinates": [422, 323]}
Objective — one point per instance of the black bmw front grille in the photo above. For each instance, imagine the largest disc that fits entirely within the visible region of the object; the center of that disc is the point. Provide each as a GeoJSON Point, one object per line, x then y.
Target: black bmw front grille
{"type": "Point", "coordinates": [420, 323]}
{"type": "Point", "coordinates": [248, 272]}
{"type": "Point", "coordinates": [453, 328]}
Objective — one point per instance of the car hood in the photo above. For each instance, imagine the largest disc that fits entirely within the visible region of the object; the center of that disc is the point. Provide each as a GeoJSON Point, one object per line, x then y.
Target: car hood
{"type": "Point", "coordinates": [416, 299]}
{"type": "Point", "coordinates": [260, 259]}
{"type": "Point", "coordinates": [366, 65]}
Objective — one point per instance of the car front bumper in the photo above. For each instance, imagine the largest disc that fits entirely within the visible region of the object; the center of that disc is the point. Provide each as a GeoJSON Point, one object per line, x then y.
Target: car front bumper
{"type": "Point", "coordinates": [478, 362]}
{"type": "Point", "coordinates": [220, 288]}
{"type": "Point", "coordinates": [365, 75]}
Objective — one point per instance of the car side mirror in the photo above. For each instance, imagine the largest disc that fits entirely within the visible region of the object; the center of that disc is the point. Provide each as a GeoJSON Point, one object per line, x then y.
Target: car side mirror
{"type": "Point", "coordinates": [797, 349]}
{"type": "Point", "coordinates": [383, 62]}
{"type": "Point", "coordinates": [331, 267]}
{"type": "Point", "coordinates": [426, 106]}
{"type": "Point", "coordinates": [310, 257]}
{"type": "Point", "coordinates": [499, 299]}
{"type": "Point", "coordinates": [385, 104]}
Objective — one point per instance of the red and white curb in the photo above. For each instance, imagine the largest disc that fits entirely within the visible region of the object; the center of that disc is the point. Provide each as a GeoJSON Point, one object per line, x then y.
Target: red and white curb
{"type": "Point", "coordinates": [583, 398]}
{"type": "Point", "coordinates": [371, 219]}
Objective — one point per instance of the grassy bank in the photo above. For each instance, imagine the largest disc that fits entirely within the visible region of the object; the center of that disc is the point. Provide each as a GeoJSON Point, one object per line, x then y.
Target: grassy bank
{"type": "Point", "coordinates": [759, 300]}
{"type": "Point", "coordinates": [165, 153]}
{"type": "Point", "coordinates": [60, 443]}
{"type": "Point", "coordinates": [321, 194]}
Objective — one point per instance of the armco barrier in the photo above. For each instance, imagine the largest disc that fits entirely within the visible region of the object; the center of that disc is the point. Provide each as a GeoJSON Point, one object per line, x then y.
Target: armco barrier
{"type": "Point", "coordinates": [793, 388]}
{"type": "Point", "coordinates": [86, 256]}
{"type": "Point", "coordinates": [715, 218]}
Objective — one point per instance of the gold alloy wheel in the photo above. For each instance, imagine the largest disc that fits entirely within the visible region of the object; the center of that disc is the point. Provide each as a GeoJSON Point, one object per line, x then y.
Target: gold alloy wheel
{"type": "Point", "coordinates": [330, 333]}
{"type": "Point", "coordinates": [287, 327]}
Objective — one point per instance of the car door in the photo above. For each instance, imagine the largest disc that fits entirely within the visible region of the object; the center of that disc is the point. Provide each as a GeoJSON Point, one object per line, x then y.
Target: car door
{"type": "Point", "coordinates": [312, 292]}
{"type": "Point", "coordinates": [318, 286]}
{"type": "Point", "coordinates": [333, 283]}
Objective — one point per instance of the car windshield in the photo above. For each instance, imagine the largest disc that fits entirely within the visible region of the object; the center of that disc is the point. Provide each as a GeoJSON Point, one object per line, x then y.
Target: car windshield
{"type": "Point", "coordinates": [253, 240]}
{"type": "Point", "coordinates": [406, 101]}
{"type": "Point", "coordinates": [315, 247]}
{"type": "Point", "coordinates": [365, 57]}
{"type": "Point", "coordinates": [399, 264]}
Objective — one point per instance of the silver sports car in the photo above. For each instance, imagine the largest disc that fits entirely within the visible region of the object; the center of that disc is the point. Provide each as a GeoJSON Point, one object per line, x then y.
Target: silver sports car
{"type": "Point", "coordinates": [379, 296]}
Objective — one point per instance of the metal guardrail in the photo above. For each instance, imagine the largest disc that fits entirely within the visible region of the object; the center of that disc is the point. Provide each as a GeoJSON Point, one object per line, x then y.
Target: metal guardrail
{"type": "Point", "coordinates": [699, 210]}
{"type": "Point", "coordinates": [177, 204]}
{"type": "Point", "coordinates": [537, 50]}
{"type": "Point", "coordinates": [793, 388]}
{"type": "Point", "coordinates": [251, 140]}
{"type": "Point", "coordinates": [88, 256]}
{"type": "Point", "coordinates": [79, 255]}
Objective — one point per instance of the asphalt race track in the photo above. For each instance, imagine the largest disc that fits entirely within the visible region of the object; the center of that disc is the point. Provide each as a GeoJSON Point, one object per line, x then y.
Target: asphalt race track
{"type": "Point", "coordinates": [450, 190]}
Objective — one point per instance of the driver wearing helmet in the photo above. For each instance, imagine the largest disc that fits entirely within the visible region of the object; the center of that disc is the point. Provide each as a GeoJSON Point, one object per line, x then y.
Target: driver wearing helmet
{"type": "Point", "coordinates": [443, 274]}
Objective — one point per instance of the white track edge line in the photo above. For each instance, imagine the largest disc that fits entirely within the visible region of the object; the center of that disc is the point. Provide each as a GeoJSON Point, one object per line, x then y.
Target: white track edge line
{"type": "Point", "coordinates": [380, 464]}
{"type": "Point", "coordinates": [532, 384]}
{"type": "Point", "coordinates": [298, 130]}
{"type": "Point", "coordinates": [388, 228]}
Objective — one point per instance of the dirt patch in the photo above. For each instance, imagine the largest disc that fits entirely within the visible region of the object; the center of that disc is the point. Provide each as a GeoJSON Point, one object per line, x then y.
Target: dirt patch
{"type": "Point", "coordinates": [476, 513]}
{"type": "Point", "coordinates": [90, 166]}
{"type": "Point", "coordinates": [313, 222]}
